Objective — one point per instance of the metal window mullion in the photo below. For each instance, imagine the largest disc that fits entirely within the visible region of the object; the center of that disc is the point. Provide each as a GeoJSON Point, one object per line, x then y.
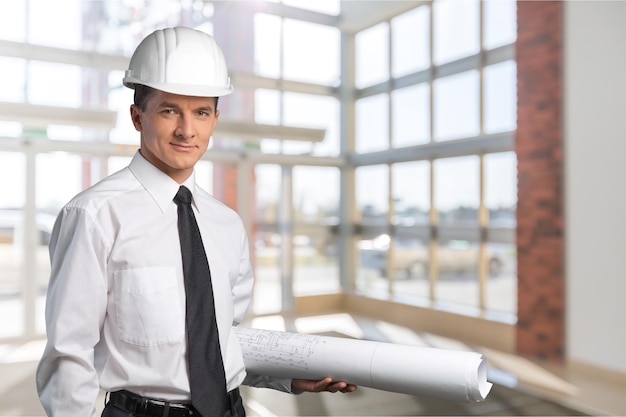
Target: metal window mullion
{"type": "Point", "coordinates": [29, 248]}
{"type": "Point", "coordinates": [482, 209]}
{"type": "Point", "coordinates": [348, 212]}
{"type": "Point", "coordinates": [285, 229]}
{"type": "Point", "coordinates": [433, 273]}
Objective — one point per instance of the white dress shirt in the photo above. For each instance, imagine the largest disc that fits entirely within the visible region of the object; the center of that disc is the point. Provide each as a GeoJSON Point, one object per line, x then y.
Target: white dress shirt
{"type": "Point", "coordinates": [115, 312]}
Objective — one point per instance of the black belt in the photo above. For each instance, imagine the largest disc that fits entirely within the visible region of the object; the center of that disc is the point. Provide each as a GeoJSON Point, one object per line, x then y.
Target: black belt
{"type": "Point", "coordinates": [147, 407]}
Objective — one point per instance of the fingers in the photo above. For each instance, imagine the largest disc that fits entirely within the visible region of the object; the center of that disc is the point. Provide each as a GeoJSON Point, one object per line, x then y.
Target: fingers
{"type": "Point", "coordinates": [323, 385]}
{"type": "Point", "coordinates": [339, 386]}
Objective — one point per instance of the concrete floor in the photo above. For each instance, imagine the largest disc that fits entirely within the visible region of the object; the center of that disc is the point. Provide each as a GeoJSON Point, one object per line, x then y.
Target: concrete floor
{"type": "Point", "coordinates": [520, 388]}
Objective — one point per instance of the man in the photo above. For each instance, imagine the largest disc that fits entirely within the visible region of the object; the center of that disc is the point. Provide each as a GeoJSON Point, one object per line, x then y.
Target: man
{"type": "Point", "coordinates": [116, 307]}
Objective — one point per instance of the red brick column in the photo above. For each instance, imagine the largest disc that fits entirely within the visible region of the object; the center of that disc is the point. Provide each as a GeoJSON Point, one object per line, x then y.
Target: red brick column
{"type": "Point", "coordinates": [539, 147]}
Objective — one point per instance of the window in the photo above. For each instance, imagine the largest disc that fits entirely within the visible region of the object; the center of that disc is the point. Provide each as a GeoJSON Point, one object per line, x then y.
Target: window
{"type": "Point", "coordinates": [314, 111]}
{"type": "Point", "coordinates": [13, 21]}
{"type": "Point", "coordinates": [372, 123]}
{"type": "Point", "coordinates": [315, 248]}
{"type": "Point", "coordinates": [51, 25]}
{"type": "Point", "coordinates": [410, 115]}
{"type": "Point", "coordinates": [372, 191]}
{"type": "Point", "coordinates": [500, 82]}
{"type": "Point", "coordinates": [311, 52]}
{"type": "Point", "coordinates": [457, 190]}
{"type": "Point", "coordinates": [410, 33]}
{"type": "Point", "coordinates": [267, 240]}
{"type": "Point", "coordinates": [372, 55]}
{"type": "Point", "coordinates": [500, 23]}
{"type": "Point", "coordinates": [455, 30]}
{"type": "Point", "coordinates": [501, 202]}
{"type": "Point", "coordinates": [296, 50]}
{"type": "Point", "coordinates": [54, 84]}
{"type": "Point", "coordinates": [13, 80]}
{"type": "Point", "coordinates": [411, 193]}
{"type": "Point", "coordinates": [316, 195]}
{"type": "Point", "coordinates": [456, 106]}
{"type": "Point", "coordinates": [267, 53]}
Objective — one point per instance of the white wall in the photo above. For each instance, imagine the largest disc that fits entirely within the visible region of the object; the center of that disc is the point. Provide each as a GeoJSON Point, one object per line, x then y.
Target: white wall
{"type": "Point", "coordinates": [595, 174]}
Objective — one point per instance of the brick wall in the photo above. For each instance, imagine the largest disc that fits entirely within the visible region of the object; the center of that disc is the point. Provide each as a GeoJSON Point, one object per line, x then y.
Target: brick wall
{"type": "Point", "coordinates": [539, 147]}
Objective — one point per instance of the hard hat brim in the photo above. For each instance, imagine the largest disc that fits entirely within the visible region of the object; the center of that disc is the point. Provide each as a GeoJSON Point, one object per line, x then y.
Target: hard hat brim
{"type": "Point", "coordinates": [181, 89]}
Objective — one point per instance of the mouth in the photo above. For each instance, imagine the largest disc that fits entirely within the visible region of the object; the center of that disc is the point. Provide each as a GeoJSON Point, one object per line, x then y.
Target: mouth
{"type": "Point", "coordinates": [183, 147]}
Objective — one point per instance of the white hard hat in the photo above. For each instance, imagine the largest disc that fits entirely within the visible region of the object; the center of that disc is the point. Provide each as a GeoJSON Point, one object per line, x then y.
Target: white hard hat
{"type": "Point", "coordinates": [181, 61]}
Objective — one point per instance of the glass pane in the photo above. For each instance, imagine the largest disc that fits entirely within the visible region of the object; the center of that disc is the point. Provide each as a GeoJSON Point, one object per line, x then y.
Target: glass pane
{"type": "Point", "coordinates": [456, 109]}
{"type": "Point", "coordinates": [500, 81]}
{"type": "Point", "coordinates": [316, 264]}
{"type": "Point", "coordinates": [410, 115]}
{"type": "Point", "coordinates": [502, 284]}
{"type": "Point", "coordinates": [500, 17]}
{"type": "Point", "coordinates": [266, 243]}
{"type": "Point", "coordinates": [267, 32]}
{"type": "Point", "coordinates": [10, 129]}
{"type": "Point", "coordinates": [12, 82]}
{"type": "Point", "coordinates": [331, 7]}
{"type": "Point", "coordinates": [312, 111]}
{"type": "Point", "coordinates": [67, 169]}
{"type": "Point", "coordinates": [372, 55]}
{"type": "Point", "coordinates": [457, 190]}
{"type": "Point", "coordinates": [13, 20]}
{"type": "Point", "coordinates": [410, 42]}
{"type": "Point", "coordinates": [66, 132]}
{"type": "Point", "coordinates": [457, 266]}
{"type": "Point", "coordinates": [119, 100]}
{"type": "Point", "coordinates": [410, 260]}
{"type": "Point", "coordinates": [204, 175]}
{"type": "Point", "coordinates": [455, 29]}
{"type": "Point", "coordinates": [12, 199]}
{"type": "Point", "coordinates": [409, 254]}
{"type": "Point", "coordinates": [116, 163]}
{"type": "Point", "coordinates": [50, 198]}
{"type": "Point", "coordinates": [372, 123]}
{"type": "Point", "coordinates": [316, 195]}
{"type": "Point", "coordinates": [45, 27]}
{"type": "Point", "coordinates": [12, 257]}
{"type": "Point", "coordinates": [311, 52]}
{"type": "Point", "coordinates": [411, 193]}
{"type": "Point", "coordinates": [372, 268]}
{"type": "Point", "coordinates": [267, 106]}
{"type": "Point", "coordinates": [501, 188]}
{"type": "Point", "coordinates": [267, 110]}
{"type": "Point", "coordinates": [372, 193]}
{"type": "Point", "coordinates": [54, 84]}
{"type": "Point", "coordinates": [501, 201]}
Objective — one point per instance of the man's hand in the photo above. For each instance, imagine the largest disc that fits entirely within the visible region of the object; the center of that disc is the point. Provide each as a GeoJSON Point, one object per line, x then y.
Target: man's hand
{"type": "Point", "coordinates": [326, 384]}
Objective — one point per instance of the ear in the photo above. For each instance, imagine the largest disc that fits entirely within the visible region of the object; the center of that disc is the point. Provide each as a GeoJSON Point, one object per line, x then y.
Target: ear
{"type": "Point", "coordinates": [135, 116]}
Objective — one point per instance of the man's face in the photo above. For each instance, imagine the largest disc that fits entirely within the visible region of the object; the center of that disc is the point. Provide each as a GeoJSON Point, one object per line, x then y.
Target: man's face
{"type": "Point", "coordinates": [175, 131]}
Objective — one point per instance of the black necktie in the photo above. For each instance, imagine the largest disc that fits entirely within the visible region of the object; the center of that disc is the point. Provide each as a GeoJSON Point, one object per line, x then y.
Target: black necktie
{"type": "Point", "coordinates": [206, 369]}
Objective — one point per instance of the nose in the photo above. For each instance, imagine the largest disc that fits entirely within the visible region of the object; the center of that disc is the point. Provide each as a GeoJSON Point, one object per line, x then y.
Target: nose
{"type": "Point", "coordinates": [185, 128]}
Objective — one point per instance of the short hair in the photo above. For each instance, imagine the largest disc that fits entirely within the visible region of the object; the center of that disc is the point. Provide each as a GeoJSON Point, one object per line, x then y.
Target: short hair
{"type": "Point", "coordinates": [143, 93]}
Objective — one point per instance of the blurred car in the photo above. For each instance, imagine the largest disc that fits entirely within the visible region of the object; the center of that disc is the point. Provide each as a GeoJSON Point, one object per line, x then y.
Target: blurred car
{"type": "Point", "coordinates": [411, 257]}
{"type": "Point", "coordinates": [12, 225]}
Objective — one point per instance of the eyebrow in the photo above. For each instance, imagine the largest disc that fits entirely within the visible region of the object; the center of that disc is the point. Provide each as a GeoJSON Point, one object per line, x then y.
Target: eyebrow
{"type": "Point", "coordinates": [208, 109]}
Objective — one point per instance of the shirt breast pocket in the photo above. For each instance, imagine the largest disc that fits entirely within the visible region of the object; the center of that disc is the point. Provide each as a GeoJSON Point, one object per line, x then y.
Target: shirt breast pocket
{"type": "Point", "coordinates": [149, 310]}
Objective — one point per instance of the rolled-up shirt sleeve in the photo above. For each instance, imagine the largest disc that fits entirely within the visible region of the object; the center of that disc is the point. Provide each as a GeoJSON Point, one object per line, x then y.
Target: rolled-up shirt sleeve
{"type": "Point", "coordinates": [67, 381]}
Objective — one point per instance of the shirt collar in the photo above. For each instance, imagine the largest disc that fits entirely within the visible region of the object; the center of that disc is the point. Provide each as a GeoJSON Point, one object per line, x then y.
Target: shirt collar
{"type": "Point", "coordinates": [161, 187]}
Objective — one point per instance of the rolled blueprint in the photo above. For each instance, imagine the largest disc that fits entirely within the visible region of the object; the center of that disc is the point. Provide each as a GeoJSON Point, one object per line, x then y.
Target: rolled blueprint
{"type": "Point", "coordinates": [420, 371]}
